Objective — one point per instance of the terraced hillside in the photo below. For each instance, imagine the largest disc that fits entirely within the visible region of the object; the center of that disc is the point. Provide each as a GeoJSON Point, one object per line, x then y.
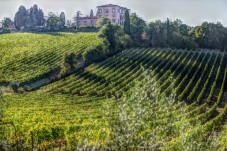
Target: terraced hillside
{"type": "Point", "coordinates": [73, 111]}
{"type": "Point", "coordinates": [26, 56]}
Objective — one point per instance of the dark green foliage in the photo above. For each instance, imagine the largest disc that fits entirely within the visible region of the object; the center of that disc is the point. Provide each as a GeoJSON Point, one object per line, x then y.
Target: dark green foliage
{"type": "Point", "coordinates": [14, 86]}
{"type": "Point", "coordinates": [54, 23]}
{"type": "Point", "coordinates": [71, 62]}
{"type": "Point", "coordinates": [107, 32]}
{"type": "Point", "coordinates": [6, 22]}
{"type": "Point", "coordinates": [90, 55]}
{"type": "Point", "coordinates": [91, 13]}
{"type": "Point", "coordinates": [175, 34]}
{"type": "Point", "coordinates": [211, 35]}
{"type": "Point", "coordinates": [94, 54]}
{"type": "Point", "coordinates": [5, 31]}
{"type": "Point", "coordinates": [115, 38]}
{"type": "Point", "coordinates": [29, 19]}
{"type": "Point", "coordinates": [21, 18]}
{"type": "Point", "coordinates": [168, 33]}
{"type": "Point", "coordinates": [138, 26]}
{"type": "Point", "coordinates": [103, 21]}
{"type": "Point", "coordinates": [62, 19]}
{"type": "Point", "coordinates": [127, 23]}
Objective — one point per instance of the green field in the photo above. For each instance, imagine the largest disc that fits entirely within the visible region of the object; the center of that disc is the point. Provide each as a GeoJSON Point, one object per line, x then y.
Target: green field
{"type": "Point", "coordinates": [26, 56]}
{"type": "Point", "coordinates": [140, 98]}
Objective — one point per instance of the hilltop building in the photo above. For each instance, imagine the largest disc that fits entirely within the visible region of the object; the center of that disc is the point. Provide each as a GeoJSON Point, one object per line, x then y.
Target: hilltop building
{"type": "Point", "coordinates": [115, 13]}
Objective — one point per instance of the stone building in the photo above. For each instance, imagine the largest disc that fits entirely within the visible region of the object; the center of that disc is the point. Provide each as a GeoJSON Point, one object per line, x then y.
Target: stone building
{"type": "Point", "coordinates": [114, 12]}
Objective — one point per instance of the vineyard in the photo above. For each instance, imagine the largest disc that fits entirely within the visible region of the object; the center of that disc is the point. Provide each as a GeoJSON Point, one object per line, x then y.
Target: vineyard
{"type": "Point", "coordinates": [156, 99]}
{"type": "Point", "coordinates": [26, 56]}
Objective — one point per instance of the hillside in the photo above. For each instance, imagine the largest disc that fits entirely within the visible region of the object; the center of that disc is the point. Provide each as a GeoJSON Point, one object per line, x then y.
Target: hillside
{"type": "Point", "coordinates": [26, 56]}
{"type": "Point", "coordinates": [158, 99]}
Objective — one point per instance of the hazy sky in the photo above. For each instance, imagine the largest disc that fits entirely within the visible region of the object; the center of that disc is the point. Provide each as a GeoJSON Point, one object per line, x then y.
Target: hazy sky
{"type": "Point", "coordinates": [191, 12]}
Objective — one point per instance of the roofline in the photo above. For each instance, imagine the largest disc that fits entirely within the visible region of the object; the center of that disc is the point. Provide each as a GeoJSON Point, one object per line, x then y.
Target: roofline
{"type": "Point", "coordinates": [112, 5]}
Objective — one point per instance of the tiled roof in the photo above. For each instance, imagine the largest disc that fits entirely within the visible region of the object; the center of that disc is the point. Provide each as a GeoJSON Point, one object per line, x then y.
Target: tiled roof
{"type": "Point", "coordinates": [112, 5]}
{"type": "Point", "coordinates": [108, 5]}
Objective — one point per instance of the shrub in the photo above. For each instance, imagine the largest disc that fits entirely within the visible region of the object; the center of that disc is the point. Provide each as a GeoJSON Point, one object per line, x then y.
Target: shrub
{"type": "Point", "coordinates": [14, 86]}
{"type": "Point", "coordinates": [93, 54]}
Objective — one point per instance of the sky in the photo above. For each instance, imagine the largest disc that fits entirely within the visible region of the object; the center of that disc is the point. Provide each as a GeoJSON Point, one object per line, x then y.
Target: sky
{"type": "Point", "coordinates": [191, 12]}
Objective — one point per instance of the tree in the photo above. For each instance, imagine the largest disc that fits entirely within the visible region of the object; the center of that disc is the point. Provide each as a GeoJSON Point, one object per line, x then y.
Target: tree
{"type": "Point", "coordinates": [91, 13]}
{"type": "Point", "coordinates": [21, 18]}
{"type": "Point", "coordinates": [68, 23]}
{"type": "Point", "coordinates": [29, 19]}
{"type": "Point", "coordinates": [53, 22]}
{"type": "Point", "coordinates": [114, 38]}
{"type": "Point", "coordinates": [107, 32]}
{"type": "Point", "coordinates": [14, 86]}
{"type": "Point", "coordinates": [210, 35]}
{"type": "Point", "coordinates": [6, 22]}
{"type": "Point", "coordinates": [127, 23]}
{"type": "Point", "coordinates": [33, 17]}
{"type": "Point", "coordinates": [62, 18]}
{"type": "Point", "coordinates": [76, 18]}
{"type": "Point", "coordinates": [137, 28]}
{"type": "Point", "coordinates": [168, 32]}
{"type": "Point", "coordinates": [103, 21]}
{"type": "Point", "coordinates": [41, 19]}
{"type": "Point", "coordinates": [156, 32]}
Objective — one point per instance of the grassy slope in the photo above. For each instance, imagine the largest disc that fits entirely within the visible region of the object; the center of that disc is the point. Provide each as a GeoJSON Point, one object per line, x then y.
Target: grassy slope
{"type": "Point", "coordinates": [73, 118]}
{"type": "Point", "coordinates": [25, 56]}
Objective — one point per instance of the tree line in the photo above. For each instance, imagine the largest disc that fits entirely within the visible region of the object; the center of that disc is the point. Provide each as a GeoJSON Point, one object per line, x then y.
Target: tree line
{"type": "Point", "coordinates": [176, 34]}
{"type": "Point", "coordinates": [137, 31]}
{"type": "Point", "coordinates": [33, 19]}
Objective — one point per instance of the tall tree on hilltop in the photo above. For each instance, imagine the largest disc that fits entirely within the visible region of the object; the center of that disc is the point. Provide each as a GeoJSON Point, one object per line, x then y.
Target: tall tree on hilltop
{"type": "Point", "coordinates": [21, 18]}
{"type": "Point", "coordinates": [41, 19]}
{"type": "Point", "coordinates": [167, 33]}
{"type": "Point", "coordinates": [127, 23]}
{"type": "Point", "coordinates": [77, 18]}
{"type": "Point", "coordinates": [6, 22]}
{"type": "Point", "coordinates": [137, 27]}
{"type": "Point", "coordinates": [33, 16]}
{"type": "Point", "coordinates": [62, 18]}
{"type": "Point", "coordinates": [53, 22]}
{"type": "Point", "coordinates": [91, 13]}
{"type": "Point", "coordinates": [107, 32]}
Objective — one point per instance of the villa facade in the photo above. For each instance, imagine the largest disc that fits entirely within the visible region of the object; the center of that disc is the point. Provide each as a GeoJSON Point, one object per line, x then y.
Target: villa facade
{"type": "Point", "coordinates": [115, 13]}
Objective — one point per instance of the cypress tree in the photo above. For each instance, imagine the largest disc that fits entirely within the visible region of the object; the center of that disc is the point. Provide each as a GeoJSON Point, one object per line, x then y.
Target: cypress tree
{"type": "Point", "coordinates": [127, 23]}
{"type": "Point", "coordinates": [168, 33]}
{"type": "Point", "coordinates": [91, 13]}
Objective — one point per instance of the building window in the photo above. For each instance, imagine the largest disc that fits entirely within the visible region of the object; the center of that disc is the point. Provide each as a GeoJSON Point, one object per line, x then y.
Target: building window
{"type": "Point", "coordinates": [100, 16]}
{"type": "Point", "coordinates": [113, 10]}
{"type": "Point", "coordinates": [113, 15]}
{"type": "Point", "coordinates": [113, 20]}
{"type": "Point", "coordinates": [118, 10]}
{"type": "Point", "coordinates": [122, 11]}
{"type": "Point", "coordinates": [100, 11]}
{"type": "Point", "coordinates": [92, 22]}
{"type": "Point", "coordinates": [106, 11]}
{"type": "Point", "coordinates": [85, 22]}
